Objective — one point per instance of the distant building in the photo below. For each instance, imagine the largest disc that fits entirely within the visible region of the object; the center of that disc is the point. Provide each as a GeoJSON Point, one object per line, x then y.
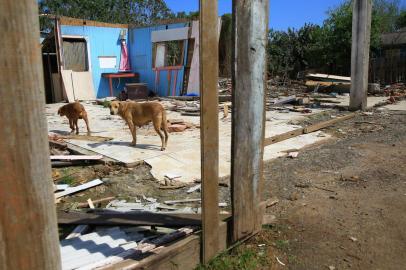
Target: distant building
{"type": "Point", "coordinates": [390, 66]}
{"type": "Point", "coordinates": [84, 60]}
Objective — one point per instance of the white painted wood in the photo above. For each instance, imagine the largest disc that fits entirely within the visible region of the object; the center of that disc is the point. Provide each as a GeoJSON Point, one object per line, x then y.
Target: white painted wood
{"type": "Point", "coordinates": [78, 231]}
{"type": "Point", "coordinates": [61, 187]}
{"type": "Point", "coordinates": [160, 55]}
{"type": "Point", "coordinates": [90, 202]}
{"type": "Point", "coordinates": [107, 61]}
{"type": "Point", "coordinates": [68, 91]}
{"type": "Point", "coordinates": [328, 76]}
{"type": "Point", "coordinates": [83, 85]}
{"type": "Point", "coordinates": [76, 157]}
{"type": "Point", "coordinates": [193, 86]}
{"type": "Point", "coordinates": [170, 34]}
{"type": "Point", "coordinates": [72, 190]}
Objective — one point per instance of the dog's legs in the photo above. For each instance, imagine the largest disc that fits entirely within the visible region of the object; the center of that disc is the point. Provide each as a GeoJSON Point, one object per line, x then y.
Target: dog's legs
{"type": "Point", "coordinates": [133, 132]}
{"type": "Point", "coordinates": [72, 127]}
{"type": "Point", "coordinates": [164, 127]}
{"type": "Point", "coordinates": [166, 136]}
{"type": "Point", "coordinates": [87, 123]}
{"type": "Point", "coordinates": [157, 127]}
{"type": "Point", "coordinates": [75, 121]}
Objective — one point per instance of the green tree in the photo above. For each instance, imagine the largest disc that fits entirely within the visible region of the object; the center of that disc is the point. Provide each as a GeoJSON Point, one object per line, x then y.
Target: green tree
{"type": "Point", "coordinates": [327, 48]}
{"type": "Point", "coordinates": [401, 20]}
{"type": "Point", "coordinates": [113, 11]}
{"type": "Point", "coordinates": [225, 45]}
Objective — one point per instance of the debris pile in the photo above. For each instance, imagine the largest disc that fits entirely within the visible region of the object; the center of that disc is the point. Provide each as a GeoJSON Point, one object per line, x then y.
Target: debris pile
{"type": "Point", "coordinates": [104, 247]}
{"type": "Point", "coordinates": [225, 85]}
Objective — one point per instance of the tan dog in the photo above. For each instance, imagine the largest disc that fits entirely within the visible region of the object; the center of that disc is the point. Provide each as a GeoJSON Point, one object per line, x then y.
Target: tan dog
{"type": "Point", "coordinates": [139, 114]}
{"type": "Point", "coordinates": [74, 111]}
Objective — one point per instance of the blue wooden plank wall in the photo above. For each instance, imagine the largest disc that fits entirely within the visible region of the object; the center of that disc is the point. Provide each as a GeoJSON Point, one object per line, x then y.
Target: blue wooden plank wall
{"type": "Point", "coordinates": [104, 41]}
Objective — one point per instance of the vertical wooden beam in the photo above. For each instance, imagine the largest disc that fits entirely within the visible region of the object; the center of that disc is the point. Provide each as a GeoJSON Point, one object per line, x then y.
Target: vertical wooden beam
{"type": "Point", "coordinates": [209, 122]}
{"type": "Point", "coordinates": [28, 228]}
{"type": "Point", "coordinates": [250, 27]}
{"type": "Point", "coordinates": [361, 34]}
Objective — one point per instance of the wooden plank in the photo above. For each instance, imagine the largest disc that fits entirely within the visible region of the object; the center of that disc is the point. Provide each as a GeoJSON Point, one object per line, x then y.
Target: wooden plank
{"type": "Point", "coordinates": [283, 136]}
{"type": "Point", "coordinates": [250, 30]}
{"type": "Point", "coordinates": [308, 129]}
{"type": "Point", "coordinates": [170, 34]}
{"type": "Point", "coordinates": [78, 231]}
{"type": "Point", "coordinates": [183, 201]}
{"type": "Point", "coordinates": [83, 85]}
{"type": "Point", "coordinates": [76, 157]}
{"type": "Point", "coordinates": [209, 127]}
{"type": "Point", "coordinates": [28, 231]}
{"type": "Point", "coordinates": [328, 77]}
{"type": "Point", "coordinates": [327, 123]}
{"type": "Point", "coordinates": [86, 204]}
{"type": "Point", "coordinates": [361, 34]}
{"type": "Point", "coordinates": [72, 190]}
{"type": "Point", "coordinates": [131, 218]}
{"type": "Point", "coordinates": [68, 90]}
{"type": "Point", "coordinates": [80, 22]}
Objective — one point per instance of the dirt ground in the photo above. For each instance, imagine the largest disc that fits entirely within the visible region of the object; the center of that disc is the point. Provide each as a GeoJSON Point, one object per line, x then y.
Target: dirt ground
{"type": "Point", "coordinates": [342, 204]}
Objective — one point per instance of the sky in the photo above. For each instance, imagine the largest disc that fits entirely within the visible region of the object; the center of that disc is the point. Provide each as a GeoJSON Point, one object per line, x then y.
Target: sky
{"type": "Point", "coordinates": [283, 13]}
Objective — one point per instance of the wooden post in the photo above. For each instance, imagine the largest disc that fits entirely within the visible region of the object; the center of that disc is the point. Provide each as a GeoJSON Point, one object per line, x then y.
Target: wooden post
{"type": "Point", "coordinates": [28, 230]}
{"type": "Point", "coordinates": [361, 34]}
{"type": "Point", "coordinates": [250, 27]}
{"type": "Point", "coordinates": [209, 123]}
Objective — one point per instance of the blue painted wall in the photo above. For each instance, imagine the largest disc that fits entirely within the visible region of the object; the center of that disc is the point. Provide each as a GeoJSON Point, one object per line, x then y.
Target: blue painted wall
{"type": "Point", "coordinates": [140, 47]}
{"type": "Point", "coordinates": [102, 41]}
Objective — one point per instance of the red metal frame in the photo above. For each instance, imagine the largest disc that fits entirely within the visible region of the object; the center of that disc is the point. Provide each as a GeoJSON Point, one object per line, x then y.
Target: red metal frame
{"type": "Point", "coordinates": [111, 76]}
{"type": "Point", "coordinates": [169, 69]}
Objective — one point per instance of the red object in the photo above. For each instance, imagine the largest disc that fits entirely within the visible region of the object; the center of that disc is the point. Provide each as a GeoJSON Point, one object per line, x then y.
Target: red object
{"type": "Point", "coordinates": [125, 60]}
{"type": "Point", "coordinates": [110, 76]}
{"type": "Point", "coordinates": [177, 128]}
{"type": "Point", "coordinates": [169, 78]}
{"type": "Point", "coordinates": [174, 82]}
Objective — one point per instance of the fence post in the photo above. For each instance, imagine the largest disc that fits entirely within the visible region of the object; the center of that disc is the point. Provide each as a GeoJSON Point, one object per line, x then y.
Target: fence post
{"type": "Point", "coordinates": [361, 34]}
{"type": "Point", "coordinates": [28, 230]}
{"type": "Point", "coordinates": [250, 31]}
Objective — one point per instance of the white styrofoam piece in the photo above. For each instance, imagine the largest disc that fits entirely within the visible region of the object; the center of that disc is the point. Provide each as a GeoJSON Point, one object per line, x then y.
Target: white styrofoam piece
{"type": "Point", "coordinates": [72, 190]}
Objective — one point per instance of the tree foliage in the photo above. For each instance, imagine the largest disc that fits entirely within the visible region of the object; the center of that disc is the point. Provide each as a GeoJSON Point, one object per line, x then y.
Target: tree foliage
{"type": "Point", "coordinates": [401, 20]}
{"type": "Point", "coordinates": [112, 11]}
{"type": "Point", "coordinates": [327, 48]}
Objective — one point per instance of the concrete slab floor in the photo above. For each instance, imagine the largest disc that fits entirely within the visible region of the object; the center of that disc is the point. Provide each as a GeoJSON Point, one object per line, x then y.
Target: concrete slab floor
{"type": "Point", "coordinates": [399, 106]}
{"type": "Point", "coordinates": [182, 156]}
{"type": "Point", "coordinates": [345, 101]}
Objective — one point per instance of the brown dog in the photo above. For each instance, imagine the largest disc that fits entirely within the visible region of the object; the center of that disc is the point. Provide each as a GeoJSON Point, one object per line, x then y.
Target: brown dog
{"type": "Point", "coordinates": [74, 111]}
{"type": "Point", "coordinates": [139, 114]}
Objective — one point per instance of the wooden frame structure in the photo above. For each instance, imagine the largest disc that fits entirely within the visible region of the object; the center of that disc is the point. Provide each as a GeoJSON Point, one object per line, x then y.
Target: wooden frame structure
{"type": "Point", "coordinates": [26, 191]}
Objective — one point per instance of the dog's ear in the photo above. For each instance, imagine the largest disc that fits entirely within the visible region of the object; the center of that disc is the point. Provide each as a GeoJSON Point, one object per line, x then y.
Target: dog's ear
{"type": "Point", "coordinates": [122, 105]}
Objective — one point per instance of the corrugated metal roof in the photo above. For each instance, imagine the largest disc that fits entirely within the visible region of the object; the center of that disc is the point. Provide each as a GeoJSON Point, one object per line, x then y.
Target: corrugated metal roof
{"type": "Point", "coordinates": [90, 248]}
